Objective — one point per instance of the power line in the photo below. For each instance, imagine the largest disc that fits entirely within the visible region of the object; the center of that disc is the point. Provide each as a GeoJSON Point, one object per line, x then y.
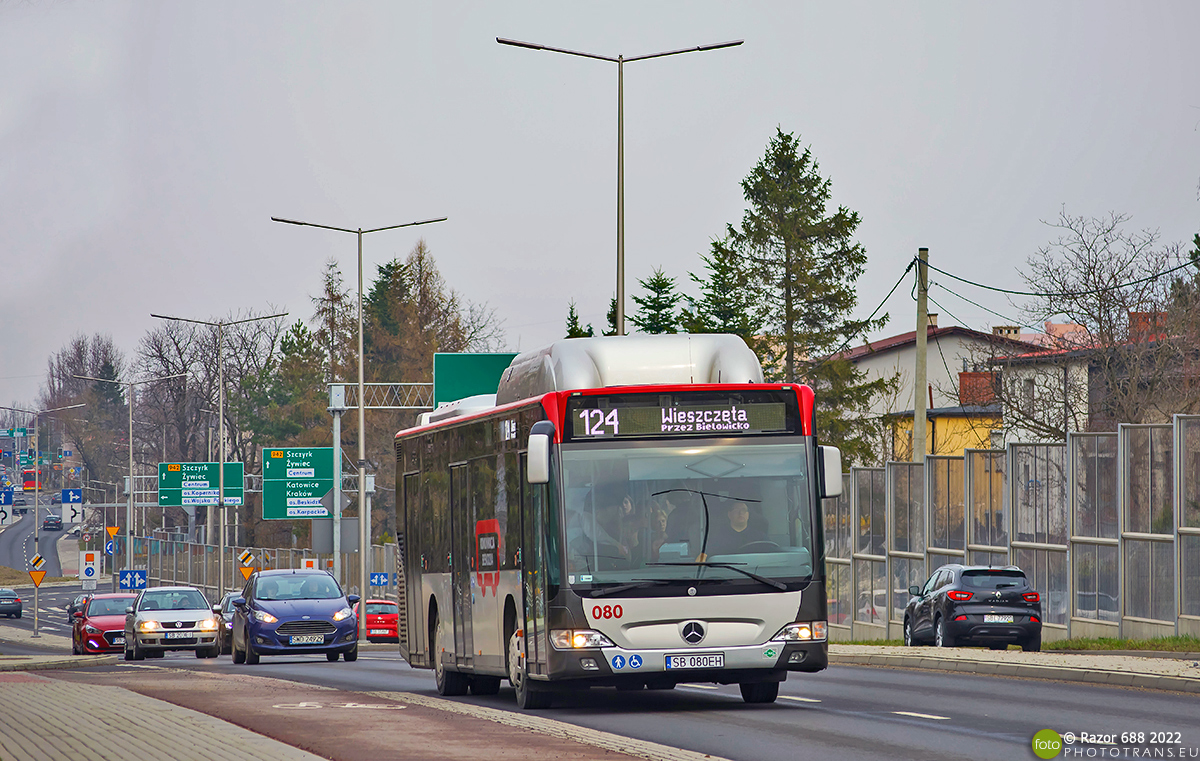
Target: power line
{"type": "Point", "coordinates": [1063, 294]}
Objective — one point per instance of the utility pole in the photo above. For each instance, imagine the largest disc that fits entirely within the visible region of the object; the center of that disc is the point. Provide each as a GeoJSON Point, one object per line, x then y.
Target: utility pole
{"type": "Point", "coordinates": [920, 382]}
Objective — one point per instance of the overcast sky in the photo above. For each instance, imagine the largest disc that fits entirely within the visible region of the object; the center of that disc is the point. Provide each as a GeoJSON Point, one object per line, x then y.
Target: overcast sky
{"type": "Point", "coordinates": [146, 145]}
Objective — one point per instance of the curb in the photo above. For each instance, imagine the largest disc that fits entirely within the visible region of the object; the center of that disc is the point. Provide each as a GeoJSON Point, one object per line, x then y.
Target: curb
{"type": "Point", "coordinates": [1024, 671]}
{"type": "Point", "coordinates": [41, 663]}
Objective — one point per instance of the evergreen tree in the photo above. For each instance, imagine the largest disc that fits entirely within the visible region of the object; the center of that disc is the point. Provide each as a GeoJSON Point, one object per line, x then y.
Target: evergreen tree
{"type": "Point", "coordinates": [574, 329]}
{"type": "Point", "coordinates": [728, 302]}
{"type": "Point", "coordinates": [806, 262]}
{"type": "Point", "coordinates": [612, 317]}
{"type": "Point", "coordinates": [656, 312]}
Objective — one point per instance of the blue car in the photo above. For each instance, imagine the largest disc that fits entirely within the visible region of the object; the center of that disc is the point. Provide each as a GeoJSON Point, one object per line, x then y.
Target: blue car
{"type": "Point", "coordinates": [284, 612]}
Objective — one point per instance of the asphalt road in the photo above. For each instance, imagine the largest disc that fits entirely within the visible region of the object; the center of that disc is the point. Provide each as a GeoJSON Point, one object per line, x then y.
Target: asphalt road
{"type": "Point", "coordinates": [52, 604]}
{"type": "Point", "coordinates": [17, 545]}
{"type": "Point", "coordinates": [842, 713]}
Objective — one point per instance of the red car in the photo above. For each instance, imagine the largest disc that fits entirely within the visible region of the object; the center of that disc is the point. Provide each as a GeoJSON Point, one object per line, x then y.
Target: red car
{"type": "Point", "coordinates": [100, 626]}
{"type": "Point", "coordinates": [382, 618]}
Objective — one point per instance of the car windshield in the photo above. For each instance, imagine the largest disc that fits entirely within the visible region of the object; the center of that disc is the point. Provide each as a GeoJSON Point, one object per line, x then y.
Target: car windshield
{"type": "Point", "coordinates": [993, 579]}
{"type": "Point", "coordinates": [298, 587]}
{"type": "Point", "coordinates": [381, 608]}
{"type": "Point", "coordinates": [8, 593]}
{"type": "Point", "coordinates": [109, 606]}
{"type": "Point", "coordinates": [651, 514]}
{"type": "Point", "coordinates": [175, 599]}
{"type": "Point", "coordinates": [227, 604]}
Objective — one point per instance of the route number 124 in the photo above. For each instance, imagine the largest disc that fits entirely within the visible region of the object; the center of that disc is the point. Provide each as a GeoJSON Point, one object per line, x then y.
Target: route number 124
{"type": "Point", "coordinates": [594, 422]}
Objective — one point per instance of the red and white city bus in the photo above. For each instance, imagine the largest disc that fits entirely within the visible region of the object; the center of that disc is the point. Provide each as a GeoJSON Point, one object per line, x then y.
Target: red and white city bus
{"type": "Point", "coordinates": [626, 511]}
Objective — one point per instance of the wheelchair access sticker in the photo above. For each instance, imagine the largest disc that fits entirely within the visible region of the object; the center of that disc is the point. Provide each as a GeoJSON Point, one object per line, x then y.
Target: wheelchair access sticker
{"type": "Point", "coordinates": [635, 661]}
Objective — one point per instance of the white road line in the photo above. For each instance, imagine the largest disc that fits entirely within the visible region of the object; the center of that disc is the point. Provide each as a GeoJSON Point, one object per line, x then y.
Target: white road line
{"type": "Point", "coordinates": [701, 686]}
{"type": "Point", "coordinates": [921, 715]}
{"type": "Point", "coordinates": [799, 699]}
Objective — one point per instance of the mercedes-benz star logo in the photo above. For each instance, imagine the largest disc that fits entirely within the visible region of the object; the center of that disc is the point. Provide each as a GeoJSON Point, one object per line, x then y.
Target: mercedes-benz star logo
{"type": "Point", "coordinates": [693, 632]}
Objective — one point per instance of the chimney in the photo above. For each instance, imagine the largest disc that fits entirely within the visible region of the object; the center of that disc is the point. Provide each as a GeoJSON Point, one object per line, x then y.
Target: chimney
{"type": "Point", "coordinates": [931, 320]}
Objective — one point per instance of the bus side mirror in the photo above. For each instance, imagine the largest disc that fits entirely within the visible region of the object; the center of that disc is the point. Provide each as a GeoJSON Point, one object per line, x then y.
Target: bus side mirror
{"type": "Point", "coordinates": [538, 468]}
{"type": "Point", "coordinates": [829, 461]}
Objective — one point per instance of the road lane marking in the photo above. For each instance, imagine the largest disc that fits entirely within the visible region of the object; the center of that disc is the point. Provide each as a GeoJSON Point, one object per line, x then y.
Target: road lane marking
{"type": "Point", "coordinates": [799, 699]}
{"type": "Point", "coordinates": [921, 715]}
{"type": "Point", "coordinates": [701, 686]}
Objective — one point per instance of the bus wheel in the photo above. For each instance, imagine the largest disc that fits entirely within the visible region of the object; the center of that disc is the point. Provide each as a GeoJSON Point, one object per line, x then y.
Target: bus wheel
{"type": "Point", "coordinates": [449, 683]}
{"type": "Point", "coordinates": [527, 698]}
{"type": "Point", "coordinates": [485, 685]}
{"type": "Point", "coordinates": [759, 692]}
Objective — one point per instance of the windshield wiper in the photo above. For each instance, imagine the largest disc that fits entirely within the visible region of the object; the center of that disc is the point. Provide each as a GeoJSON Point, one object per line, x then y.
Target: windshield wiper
{"type": "Point", "coordinates": [639, 584]}
{"type": "Point", "coordinates": [733, 567]}
{"type": "Point", "coordinates": [707, 519]}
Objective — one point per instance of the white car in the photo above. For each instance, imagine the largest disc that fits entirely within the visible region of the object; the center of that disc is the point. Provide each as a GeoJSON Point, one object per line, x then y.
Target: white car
{"type": "Point", "coordinates": [170, 618]}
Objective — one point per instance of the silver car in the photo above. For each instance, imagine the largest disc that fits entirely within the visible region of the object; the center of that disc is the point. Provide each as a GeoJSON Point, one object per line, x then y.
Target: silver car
{"type": "Point", "coordinates": [170, 618]}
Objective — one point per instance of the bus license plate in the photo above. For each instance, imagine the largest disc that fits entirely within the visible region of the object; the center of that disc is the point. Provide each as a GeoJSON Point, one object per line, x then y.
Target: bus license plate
{"type": "Point", "coordinates": [991, 618]}
{"type": "Point", "coordinates": [180, 635]}
{"type": "Point", "coordinates": [696, 661]}
{"type": "Point", "coordinates": [307, 639]}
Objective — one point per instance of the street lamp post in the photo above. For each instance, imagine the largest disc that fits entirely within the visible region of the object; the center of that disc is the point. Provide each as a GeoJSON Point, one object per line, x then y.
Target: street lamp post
{"type": "Point", "coordinates": [620, 61]}
{"type": "Point", "coordinates": [37, 485]}
{"type": "Point", "coordinates": [220, 326]}
{"type": "Point", "coordinates": [364, 527]}
{"type": "Point", "coordinates": [132, 488]}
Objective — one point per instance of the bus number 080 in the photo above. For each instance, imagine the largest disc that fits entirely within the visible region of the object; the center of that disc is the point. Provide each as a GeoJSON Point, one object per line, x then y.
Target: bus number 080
{"type": "Point", "coordinates": [607, 611]}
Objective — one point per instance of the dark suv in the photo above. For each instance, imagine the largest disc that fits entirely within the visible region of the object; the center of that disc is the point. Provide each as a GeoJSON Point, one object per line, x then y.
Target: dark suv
{"type": "Point", "coordinates": [978, 605]}
{"type": "Point", "coordinates": [52, 523]}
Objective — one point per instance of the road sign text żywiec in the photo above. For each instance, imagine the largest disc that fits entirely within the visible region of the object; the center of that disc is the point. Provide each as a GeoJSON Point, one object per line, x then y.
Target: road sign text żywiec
{"type": "Point", "coordinates": [188, 484]}
{"type": "Point", "coordinates": [294, 481]}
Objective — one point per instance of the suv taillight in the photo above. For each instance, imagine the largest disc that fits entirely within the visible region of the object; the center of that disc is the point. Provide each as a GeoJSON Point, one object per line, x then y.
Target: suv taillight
{"type": "Point", "coordinates": [1030, 597]}
{"type": "Point", "coordinates": [958, 594]}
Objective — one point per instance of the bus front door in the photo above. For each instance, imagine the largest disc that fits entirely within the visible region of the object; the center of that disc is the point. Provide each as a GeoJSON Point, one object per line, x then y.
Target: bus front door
{"type": "Point", "coordinates": [462, 533]}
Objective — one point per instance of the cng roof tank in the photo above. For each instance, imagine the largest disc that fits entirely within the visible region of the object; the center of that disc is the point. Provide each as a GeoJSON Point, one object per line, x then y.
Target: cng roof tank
{"type": "Point", "coordinates": [607, 361]}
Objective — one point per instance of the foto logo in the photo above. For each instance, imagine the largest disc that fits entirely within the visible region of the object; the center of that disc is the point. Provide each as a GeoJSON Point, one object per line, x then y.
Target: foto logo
{"type": "Point", "coordinates": [1047, 744]}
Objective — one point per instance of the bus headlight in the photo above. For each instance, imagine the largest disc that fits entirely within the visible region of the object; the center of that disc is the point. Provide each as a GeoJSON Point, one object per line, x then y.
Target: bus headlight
{"type": "Point", "coordinates": [575, 639]}
{"type": "Point", "coordinates": [801, 631]}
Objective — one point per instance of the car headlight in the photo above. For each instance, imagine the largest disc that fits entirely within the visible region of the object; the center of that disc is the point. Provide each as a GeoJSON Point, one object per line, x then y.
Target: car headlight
{"type": "Point", "coordinates": [801, 631]}
{"type": "Point", "coordinates": [208, 624]}
{"type": "Point", "coordinates": [343, 614]}
{"type": "Point", "coordinates": [265, 617]}
{"type": "Point", "coordinates": [575, 639]}
{"type": "Point", "coordinates": [91, 629]}
{"type": "Point", "coordinates": [148, 626]}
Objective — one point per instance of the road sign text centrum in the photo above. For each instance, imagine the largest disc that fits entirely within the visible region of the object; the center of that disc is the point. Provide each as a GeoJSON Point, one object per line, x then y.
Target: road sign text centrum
{"type": "Point", "coordinates": [294, 481]}
{"type": "Point", "coordinates": [196, 483]}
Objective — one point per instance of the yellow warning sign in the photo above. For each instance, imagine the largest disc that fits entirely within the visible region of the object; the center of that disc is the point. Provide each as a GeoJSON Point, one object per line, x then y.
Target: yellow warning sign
{"type": "Point", "coordinates": [37, 577]}
{"type": "Point", "coordinates": [112, 531]}
{"type": "Point", "coordinates": [37, 562]}
{"type": "Point", "coordinates": [247, 557]}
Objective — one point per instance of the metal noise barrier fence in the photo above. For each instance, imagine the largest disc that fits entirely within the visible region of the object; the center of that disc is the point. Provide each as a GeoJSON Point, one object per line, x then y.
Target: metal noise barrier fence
{"type": "Point", "coordinates": [196, 565]}
{"type": "Point", "coordinates": [1106, 527]}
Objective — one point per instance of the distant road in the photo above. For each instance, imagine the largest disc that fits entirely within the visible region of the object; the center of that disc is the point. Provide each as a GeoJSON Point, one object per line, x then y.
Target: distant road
{"type": "Point", "coordinates": [17, 547]}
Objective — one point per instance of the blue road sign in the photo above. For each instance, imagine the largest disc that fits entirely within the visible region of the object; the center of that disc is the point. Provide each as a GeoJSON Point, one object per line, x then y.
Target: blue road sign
{"type": "Point", "coordinates": [90, 571]}
{"type": "Point", "coordinates": [379, 579]}
{"type": "Point", "coordinates": [66, 453]}
{"type": "Point", "coordinates": [6, 497]}
{"type": "Point", "coordinates": [135, 579]}
{"type": "Point", "coordinates": [70, 496]}
{"type": "Point", "coordinates": [110, 547]}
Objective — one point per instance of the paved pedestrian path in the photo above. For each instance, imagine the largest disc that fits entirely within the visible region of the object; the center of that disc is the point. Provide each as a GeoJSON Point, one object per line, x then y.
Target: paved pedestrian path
{"type": "Point", "coordinates": [43, 718]}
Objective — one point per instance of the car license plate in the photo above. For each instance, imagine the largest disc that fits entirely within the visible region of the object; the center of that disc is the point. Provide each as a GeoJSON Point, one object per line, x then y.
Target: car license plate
{"type": "Point", "coordinates": [306, 639]}
{"type": "Point", "coordinates": [696, 661]}
{"type": "Point", "coordinates": [379, 631]}
{"type": "Point", "coordinates": [180, 635]}
{"type": "Point", "coordinates": [993, 618]}
{"type": "Point", "coordinates": [118, 640]}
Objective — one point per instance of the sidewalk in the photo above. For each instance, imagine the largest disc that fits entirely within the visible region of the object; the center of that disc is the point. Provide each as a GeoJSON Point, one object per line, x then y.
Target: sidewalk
{"type": "Point", "coordinates": [113, 723]}
{"type": "Point", "coordinates": [1114, 669]}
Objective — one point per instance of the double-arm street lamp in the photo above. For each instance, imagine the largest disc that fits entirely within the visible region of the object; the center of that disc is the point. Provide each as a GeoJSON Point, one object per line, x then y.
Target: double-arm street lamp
{"type": "Point", "coordinates": [220, 325]}
{"type": "Point", "coordinates": [364, 528]}
{"type": "Point", "coordinates": [132, 489]}
{"type": "Point", "coordinates": [37, 486]}
{"type": "Point", "coordinates": [620, 61]}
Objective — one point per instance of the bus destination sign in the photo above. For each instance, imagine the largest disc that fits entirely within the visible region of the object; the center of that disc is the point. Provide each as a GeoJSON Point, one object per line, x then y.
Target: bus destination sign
{"type": "Point", "coordinates": [631, 416]}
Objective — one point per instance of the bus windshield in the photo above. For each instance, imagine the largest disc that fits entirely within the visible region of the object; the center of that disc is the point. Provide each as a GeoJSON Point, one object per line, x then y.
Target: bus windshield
{"type": "Point", "coordinates": [690, 512]}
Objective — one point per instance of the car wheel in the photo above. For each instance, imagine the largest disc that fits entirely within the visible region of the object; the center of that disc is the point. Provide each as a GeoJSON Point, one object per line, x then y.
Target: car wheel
{"type": "Point", "coordinates": [18, 615]}
{"type": "Point", "coordinates": [908, 637]}
{"type": "Point", "coordinates": [759, 692]}
{"type": "Point", "coordinates": [1033, 644]}
{"type": "Point", "coordinates": [944, 637]}
{"type": "Point", "coordinates": [239, 656]}
{"type": "Point", "coordinates": [351, 655]}
{"type": "Point", "coordinates": [251, 654]}
{"type": "Point", "coordinates": [155, 653]}
{"type": "Point", "coordinates": [485, 685]}
{"type": "Point", "coordinates": [138, 653]}
{"type": "Point", "coordinates": [332, 657]}
{"type": "Point", "coordinates": [528, 698]}
{"type": "Point", "coordinates": [128, 653]}
{"type": "Point", "coordinates": [998, 646]}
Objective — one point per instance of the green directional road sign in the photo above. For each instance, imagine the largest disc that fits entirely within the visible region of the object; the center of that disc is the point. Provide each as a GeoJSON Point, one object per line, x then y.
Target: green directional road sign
{"type": "Point", "coordinates": [294, 481]}
{"type": "Point", "coordinates": [195, 484]}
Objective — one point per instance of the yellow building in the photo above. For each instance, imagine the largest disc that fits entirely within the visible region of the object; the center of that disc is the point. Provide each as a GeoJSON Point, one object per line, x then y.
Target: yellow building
{"type": "Point", "coordinates": [948, 431]}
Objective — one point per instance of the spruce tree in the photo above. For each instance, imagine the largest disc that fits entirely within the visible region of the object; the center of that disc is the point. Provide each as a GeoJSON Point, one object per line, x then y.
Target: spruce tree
{"type": "Point", "coordinates": [728, 302]}
{"type": "Point", "coordinates": [806, 262]}
{"type": "Point", "coordinates": [574, 329]}
{"type": "Point", "coordinates": [656, 312]}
